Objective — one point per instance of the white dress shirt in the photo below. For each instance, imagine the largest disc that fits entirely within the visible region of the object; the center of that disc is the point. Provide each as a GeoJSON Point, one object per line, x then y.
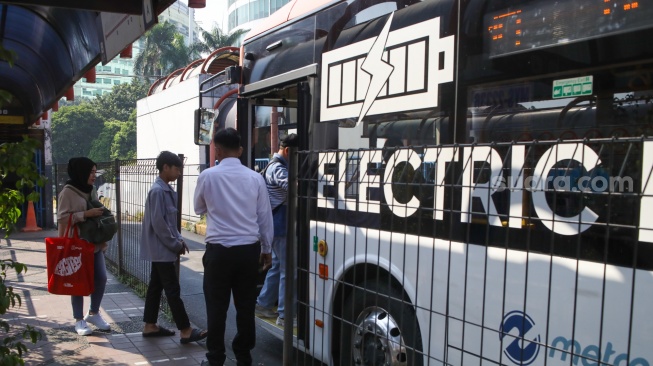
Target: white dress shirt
{"type": "Point", "coordinates": [235, 201]}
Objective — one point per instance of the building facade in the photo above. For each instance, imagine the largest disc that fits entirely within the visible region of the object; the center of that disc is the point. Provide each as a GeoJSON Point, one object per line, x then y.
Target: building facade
{"type": "Point", "coordinates": [121, 70]}
{"type": "Point", "coordinates": [244, 14]}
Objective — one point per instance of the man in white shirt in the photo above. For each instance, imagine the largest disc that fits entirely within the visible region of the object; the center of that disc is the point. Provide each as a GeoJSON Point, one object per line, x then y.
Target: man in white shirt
{"type": "Point", "coordinates": [238, 237]}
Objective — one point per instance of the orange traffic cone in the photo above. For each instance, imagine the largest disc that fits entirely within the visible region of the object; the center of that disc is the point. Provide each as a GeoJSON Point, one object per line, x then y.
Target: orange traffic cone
{"type": "Point", "coordinates": [30, 224]}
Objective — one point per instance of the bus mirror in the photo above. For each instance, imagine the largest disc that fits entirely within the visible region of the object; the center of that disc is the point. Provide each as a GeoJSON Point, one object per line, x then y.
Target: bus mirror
{"type": "Point", "coordinates": [204, 119]}
{"type": "Point", "coordinates": [232, 75]}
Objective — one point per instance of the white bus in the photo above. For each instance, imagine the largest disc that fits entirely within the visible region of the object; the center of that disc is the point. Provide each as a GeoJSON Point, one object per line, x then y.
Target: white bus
{"type": "Point", "coordinates": [474, 176]}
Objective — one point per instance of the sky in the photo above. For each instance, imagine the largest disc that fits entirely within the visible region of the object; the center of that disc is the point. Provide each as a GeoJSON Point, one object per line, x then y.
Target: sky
{"type": "Point", "coordinates": [214, 12]}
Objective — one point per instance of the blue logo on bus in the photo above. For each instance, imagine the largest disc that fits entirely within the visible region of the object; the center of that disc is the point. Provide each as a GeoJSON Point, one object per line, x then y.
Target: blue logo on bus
{"type": "Point", "coordinates": [518, 349]}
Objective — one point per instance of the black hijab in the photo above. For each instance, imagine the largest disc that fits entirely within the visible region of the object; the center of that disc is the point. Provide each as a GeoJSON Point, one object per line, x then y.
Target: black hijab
{"type": "Point", "coordinates": [79, 169]}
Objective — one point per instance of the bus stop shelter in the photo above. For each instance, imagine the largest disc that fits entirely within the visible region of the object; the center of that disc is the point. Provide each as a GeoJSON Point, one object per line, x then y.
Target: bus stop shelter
{"type": "Point", "coordinates": [47, 46]}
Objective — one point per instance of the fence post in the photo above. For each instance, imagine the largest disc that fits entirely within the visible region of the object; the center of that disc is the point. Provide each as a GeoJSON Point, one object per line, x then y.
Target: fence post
{"type": "Point", "coordinates": [118, 216]}
{"type": "Point", "coordinates": [180, 195]}
{"type": "Point", "coordinates": [289, 294]}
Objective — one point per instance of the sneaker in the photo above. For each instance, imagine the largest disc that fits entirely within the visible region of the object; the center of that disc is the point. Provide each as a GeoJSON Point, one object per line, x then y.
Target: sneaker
{"type": "Point", "coordinates": [264, 312]}
{"type": "Point", "coordinates": [98, 321]}
{"type": "Point", "coordinates": [280, 322]}
{"type": "Point", "coordinates": [82, 328]}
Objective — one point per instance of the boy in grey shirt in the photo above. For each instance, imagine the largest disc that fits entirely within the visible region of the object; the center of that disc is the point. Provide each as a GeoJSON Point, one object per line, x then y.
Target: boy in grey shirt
{"type": "Point", "coordinates": [161, 244]}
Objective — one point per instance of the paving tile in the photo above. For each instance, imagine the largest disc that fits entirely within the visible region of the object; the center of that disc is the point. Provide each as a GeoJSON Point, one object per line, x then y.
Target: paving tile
{"type": "Point", "coordinates": [52, 315]}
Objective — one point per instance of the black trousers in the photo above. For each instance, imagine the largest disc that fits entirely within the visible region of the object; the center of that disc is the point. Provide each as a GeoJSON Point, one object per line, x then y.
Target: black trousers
{"type": "Point", "coordinates": [228, 271]}
{"type": "Point", "coordinates": [164, 277]}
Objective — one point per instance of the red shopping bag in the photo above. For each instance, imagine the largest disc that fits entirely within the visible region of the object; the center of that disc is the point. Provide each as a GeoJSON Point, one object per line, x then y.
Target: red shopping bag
{"type": "Point", "coordinates": [70, 264]}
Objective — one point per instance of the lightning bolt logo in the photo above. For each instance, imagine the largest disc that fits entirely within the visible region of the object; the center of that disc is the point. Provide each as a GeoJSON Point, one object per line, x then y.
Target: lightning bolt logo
{"type": "Point", "coordinates": [377, 68]}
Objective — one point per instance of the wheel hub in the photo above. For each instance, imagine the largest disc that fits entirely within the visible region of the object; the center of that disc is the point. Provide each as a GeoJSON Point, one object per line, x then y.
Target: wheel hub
{"type": "Point", "coordinates": [377, 339]}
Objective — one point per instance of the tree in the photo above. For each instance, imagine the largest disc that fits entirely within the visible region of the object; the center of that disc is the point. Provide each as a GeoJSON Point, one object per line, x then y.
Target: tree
{"type": "Point", "coordinates": [163, 51]}
{"type": "Point", "coordinates": [18, 174]}
{"type": "Point", "coordinates": [16, 166]}
{"type": "Point", "coordinates": [101, 146]}
{"type": "Point", "coordinates": [121, 102]}
{"type": "Point", "coordinates": [73, 131]}
{"type": "Point", "coordinates": [124, 143]}
{"type": "Point", "coordinates": [215, 39]}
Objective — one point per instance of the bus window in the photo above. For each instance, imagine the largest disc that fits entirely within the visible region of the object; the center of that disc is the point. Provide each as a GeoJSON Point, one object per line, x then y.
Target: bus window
{"type": "Point", "coordinates": [528, 111]}
{"type": "Point", "coordinates": [410, 132]}
{"type": "Point", "coordinates": [274, 116]}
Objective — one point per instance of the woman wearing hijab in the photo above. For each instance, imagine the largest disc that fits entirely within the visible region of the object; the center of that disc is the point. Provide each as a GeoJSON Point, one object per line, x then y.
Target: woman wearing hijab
{"type": "Point", "coordinates": [72, 201]}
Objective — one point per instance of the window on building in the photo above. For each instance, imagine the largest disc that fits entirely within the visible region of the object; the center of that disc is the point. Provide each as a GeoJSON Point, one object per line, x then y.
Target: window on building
{"type": "Point", "coordinates": [107, 81]}
{"type": "Point", "coordinates": [243, 12]}
{"type": "Point", "coordinates": [116, 82]}
{"type": "Point", "coordinates": [276, 5]}
{"type": "Point", "coordinates": [232, 19]}
{"type": "Point", "coordinates": [117, 70]}
{"type": "Point", "coordinates": [259, 9]}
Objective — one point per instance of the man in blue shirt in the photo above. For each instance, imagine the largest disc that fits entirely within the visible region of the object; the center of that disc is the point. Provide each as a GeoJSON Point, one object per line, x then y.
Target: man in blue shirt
{"type": "Point", "coordinates": [276, 178]}
{"type": "Point", "coordinates": [161, 244]}
{"type": "Point", "coordinates": [239, 234]}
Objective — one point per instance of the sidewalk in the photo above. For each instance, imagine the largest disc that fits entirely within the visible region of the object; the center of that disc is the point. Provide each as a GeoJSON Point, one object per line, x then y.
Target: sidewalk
{"type": "Point", "coordinates": [52, 315]}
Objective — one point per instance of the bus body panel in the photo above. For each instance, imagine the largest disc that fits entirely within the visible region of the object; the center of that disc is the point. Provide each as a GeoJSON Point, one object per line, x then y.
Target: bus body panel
{"type": "Point", "coordinates": [499, 194]}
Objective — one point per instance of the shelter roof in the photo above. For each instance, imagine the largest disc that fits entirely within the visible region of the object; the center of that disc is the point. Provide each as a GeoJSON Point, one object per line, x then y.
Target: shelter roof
{"type": "Point", "coordinates": [53, 47]}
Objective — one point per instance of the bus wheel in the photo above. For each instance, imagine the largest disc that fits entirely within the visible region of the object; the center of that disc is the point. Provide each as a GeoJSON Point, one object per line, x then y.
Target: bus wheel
{"type": "Point", "coordinates": [379, 328]}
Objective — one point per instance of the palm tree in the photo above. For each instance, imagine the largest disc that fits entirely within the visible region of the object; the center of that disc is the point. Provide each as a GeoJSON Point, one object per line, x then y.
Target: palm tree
{"type": "Point", "coordinates": [163, 51]}
{"type": "Point", "coordinates": [215, 39]}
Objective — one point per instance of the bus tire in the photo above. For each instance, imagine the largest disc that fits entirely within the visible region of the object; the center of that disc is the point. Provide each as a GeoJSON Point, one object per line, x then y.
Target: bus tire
{"type": "Point", "coordinates": [378, 327]}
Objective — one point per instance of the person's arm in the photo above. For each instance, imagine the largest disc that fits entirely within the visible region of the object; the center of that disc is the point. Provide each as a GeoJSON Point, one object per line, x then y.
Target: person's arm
{"type": "Point", "coordinates": [280, 177]}
{"type": "Point", "coordinates": [264, 217]}
{"type": "Point", "coordinates": [67, 203]}
{"type": "Point", "coordinates": [199, 202]}
{"type": "Point", "coordinates": [156, 208]}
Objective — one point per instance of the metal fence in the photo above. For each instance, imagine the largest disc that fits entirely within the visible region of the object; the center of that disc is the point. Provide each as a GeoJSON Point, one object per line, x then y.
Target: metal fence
{"type": "Point", "coordinates": [122, 186]}
{"type": "Point", "coordinates": [487, 254]}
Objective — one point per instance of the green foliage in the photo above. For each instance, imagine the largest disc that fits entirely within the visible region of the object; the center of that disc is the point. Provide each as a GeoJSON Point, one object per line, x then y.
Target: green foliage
{"type": "Point", "coordinates": [17, 165]}
{"type": "Point", "coordinates": [215, 39]}
{"type": "Point", "coordinates": [11, 347]}
{"type": "Point", "coordinates": [102, 129]}
{"type": "Point", "coordinates": [101, 146]}
{"type": "Point", "coordinates": [74, 129]}
{"type": "Point", "coordinates": [121, 102]}
{"type": "Point", "coordinates": [124, 142]}
{"type": "Point", "coordinates": [18, 173]}
{"type": "Point", "coordinates": [163, 52]}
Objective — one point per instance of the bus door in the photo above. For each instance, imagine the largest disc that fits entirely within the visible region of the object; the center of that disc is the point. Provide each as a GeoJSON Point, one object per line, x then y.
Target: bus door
{"type": "Point", "coordinates": [274, 116]}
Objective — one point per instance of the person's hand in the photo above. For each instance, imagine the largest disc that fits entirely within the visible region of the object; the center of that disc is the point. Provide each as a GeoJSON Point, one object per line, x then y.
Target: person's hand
{"type": "Point", "coordinates": [184, 248]}
{"type": "Point", "coordinates": [94, 212]}
{"type": "Point", "coordinates": [265, 260]}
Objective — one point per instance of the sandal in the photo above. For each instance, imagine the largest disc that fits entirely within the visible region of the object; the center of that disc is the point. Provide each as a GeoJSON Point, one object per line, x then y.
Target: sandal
{"type": "Point", "coordinates": [162, 332]}
{"type": "Point", "coordinates": [195, 335]}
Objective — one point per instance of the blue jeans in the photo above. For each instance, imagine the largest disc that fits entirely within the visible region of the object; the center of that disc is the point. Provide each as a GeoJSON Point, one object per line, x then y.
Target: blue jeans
{"type": "Point", "coordinates": [275, 281]}
{"type": "Point", "coordinates": [100, 282]}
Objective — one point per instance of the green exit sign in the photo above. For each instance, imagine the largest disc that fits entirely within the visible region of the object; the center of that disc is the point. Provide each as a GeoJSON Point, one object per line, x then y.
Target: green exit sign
{"type": "Point", "coordinates": [573, 87]}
